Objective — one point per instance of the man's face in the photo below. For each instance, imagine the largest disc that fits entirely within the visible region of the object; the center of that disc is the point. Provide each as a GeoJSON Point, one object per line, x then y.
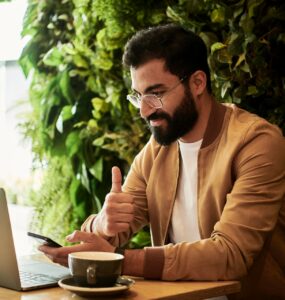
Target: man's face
{"type": "Point", "coordinates": [181, 122]}
{"type": "Point", "coordinates": [178, 114]}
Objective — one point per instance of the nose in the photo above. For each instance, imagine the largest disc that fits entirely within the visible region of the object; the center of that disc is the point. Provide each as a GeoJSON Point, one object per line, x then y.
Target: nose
{"type": "Point", "coordinates": [146, 110]}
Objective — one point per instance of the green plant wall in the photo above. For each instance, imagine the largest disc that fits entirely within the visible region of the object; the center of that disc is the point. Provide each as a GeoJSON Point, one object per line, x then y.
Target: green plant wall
{"type": "Point", "coordinates": [80, 114]}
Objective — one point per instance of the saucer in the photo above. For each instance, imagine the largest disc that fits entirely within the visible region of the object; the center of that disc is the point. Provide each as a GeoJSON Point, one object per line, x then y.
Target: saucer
{"type": "Point", "coordinates": [122, 284]}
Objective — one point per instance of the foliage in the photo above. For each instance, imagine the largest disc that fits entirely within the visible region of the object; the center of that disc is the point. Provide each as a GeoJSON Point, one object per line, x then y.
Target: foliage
{"type": "Point", "coordinates": [80, 115]}
{"type": "Point", "coordinates": [56, 212]}
{"type": "Point", "coordinates": [246, 40]}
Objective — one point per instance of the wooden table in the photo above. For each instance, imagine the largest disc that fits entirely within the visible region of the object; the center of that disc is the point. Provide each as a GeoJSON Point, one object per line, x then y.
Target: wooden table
{"type": "Point", "coordinates": [141, 290]}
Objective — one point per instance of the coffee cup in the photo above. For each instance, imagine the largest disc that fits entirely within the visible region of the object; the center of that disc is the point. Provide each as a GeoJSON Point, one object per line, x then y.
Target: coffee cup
{"type": "Point", "coordinates": [95, 269]}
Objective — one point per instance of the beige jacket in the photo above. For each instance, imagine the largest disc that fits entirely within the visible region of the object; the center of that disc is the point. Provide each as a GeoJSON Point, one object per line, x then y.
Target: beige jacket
{"type": "Point", "coordinates": [241, 210]}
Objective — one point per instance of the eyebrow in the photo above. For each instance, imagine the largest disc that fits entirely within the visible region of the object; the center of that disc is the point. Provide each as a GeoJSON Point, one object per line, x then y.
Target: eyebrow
{"type": "Point", "coordinates": [149, 89]}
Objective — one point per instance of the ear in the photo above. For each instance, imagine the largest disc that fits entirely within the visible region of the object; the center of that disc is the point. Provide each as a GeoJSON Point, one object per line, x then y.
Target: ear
{"type": "Point", "coordinates": [198, 83]}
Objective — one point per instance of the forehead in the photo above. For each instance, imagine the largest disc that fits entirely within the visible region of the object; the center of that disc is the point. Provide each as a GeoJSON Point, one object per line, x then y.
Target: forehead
{"type": "Point", "coordinates": [151, 73]}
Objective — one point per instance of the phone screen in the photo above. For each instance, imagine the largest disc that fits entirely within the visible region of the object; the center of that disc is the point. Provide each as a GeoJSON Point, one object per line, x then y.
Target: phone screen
{"type": "Point", "coordinates": [44, 239]}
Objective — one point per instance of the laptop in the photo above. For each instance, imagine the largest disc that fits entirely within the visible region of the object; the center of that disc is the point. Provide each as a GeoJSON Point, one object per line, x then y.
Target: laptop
{"type": "Point", "coordinates": [23, 274]}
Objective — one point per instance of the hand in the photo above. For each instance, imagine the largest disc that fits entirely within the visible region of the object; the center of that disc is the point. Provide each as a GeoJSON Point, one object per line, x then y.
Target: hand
{"type": "Point", "coordinates": [89, 242]}
{"type": "Point", "coordinates": [118, 210]}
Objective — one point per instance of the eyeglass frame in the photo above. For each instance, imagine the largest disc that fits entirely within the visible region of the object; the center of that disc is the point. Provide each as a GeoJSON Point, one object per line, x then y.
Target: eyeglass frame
{"type": "Point", "coordinates": [136, 100]}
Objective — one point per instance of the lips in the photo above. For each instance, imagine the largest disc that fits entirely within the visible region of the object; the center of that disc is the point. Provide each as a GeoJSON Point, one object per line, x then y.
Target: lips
{"type": "Point", "coordinates": [155, 122]}
{"type": "Point", "coordinates": [156, 119]}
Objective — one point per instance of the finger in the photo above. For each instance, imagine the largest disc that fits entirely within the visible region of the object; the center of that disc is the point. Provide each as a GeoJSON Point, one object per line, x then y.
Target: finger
{"type": "Point", "coordinates": [58, 260]}
{"type": "Point", "coordinates": [127, 208]}
{"type": "Point", "coordinates": [119, 227]}
{"type": "Point", "coordinates": [81, 236]}
{"type": "Point", "coordinates": [61, 261]}
{"type": "Point", "coordinates": [116, 180]}
{"type": "Point", "coordinates": [126, 218]}
{"type": "Point", "coordinates": [121, 218]}
{"type": "Point", "coordinates": [57, 255]}
{"type": "Point", "coordinates": [54, 251]}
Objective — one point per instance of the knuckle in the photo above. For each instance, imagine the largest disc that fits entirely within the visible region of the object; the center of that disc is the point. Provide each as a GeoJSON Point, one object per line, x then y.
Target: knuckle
{"type": "Point", "coordinates": [131, 209]}
{"type": "Point", "coordinates": [107, 198]}
{"type": "Point", "coordinates": [111, 197]}
{"type": "Point", "coordinates": [75, 233]}
{"type": "Point", "coordinates": [130, 218]}
{"type": "Point", "coordinates": [125, 226]}
{"type": "Point", "coordinates": [131, 199]}
{"type": "Point", "coordinates": [109, 209]}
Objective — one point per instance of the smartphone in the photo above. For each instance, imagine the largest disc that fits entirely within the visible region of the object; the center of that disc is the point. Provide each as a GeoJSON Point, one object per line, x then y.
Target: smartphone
{"type": "Point", "coordinates": [43, 239]}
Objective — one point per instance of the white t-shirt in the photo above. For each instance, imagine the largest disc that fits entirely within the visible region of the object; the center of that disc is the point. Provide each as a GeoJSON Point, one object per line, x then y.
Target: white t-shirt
{"type": "Point", "coordinates": [184, 220]}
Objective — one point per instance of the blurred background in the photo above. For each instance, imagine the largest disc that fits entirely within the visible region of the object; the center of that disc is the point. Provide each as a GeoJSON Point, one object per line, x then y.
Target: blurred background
{"type": "Point", "coordinates": [16, 173]}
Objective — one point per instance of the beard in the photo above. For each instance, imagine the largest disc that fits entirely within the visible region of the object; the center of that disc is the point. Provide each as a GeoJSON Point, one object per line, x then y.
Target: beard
{"type": "Point", "coordinates": [183, 120]}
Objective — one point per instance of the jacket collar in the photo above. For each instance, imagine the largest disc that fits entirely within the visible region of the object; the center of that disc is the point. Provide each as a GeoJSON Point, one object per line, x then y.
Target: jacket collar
{"type": "Point", "coordinates": [215, 123]}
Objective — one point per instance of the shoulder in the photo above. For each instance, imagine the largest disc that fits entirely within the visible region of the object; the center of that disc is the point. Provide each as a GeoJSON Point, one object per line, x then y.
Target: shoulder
{"type": "Point", "coordinates": [253, 137]}
{"type": "Point", "coordinates": [248, 125]}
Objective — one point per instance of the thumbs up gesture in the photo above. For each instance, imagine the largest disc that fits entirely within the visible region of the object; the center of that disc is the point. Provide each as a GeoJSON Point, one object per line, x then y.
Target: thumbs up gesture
{"type": "Point", "coordinates": [118, 210]}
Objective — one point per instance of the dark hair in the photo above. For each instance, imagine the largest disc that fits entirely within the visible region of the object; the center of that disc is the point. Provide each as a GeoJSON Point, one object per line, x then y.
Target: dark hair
{"type": "Point", "coordinates": [184, 52]}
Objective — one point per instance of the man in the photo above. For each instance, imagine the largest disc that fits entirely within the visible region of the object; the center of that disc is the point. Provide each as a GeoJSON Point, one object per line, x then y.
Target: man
{"type": "Point", "coordinates": [210, 182]}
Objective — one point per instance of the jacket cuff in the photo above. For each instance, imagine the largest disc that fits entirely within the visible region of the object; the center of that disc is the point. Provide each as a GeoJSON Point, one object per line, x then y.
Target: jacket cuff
{"type": "Point", "coordinates": [153, 262]}
{"type": "Point", "coordinates": [87, 225]}
{"type": "Point", "coordinates": [90, 226]}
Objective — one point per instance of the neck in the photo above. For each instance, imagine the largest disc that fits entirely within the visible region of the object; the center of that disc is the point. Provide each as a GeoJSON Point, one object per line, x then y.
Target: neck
{"type": "Point", "coordinates": [203, 105]}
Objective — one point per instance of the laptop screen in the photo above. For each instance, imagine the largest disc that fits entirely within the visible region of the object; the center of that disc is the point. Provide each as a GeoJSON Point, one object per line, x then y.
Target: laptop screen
{"type": "Point", "coordinates": [9, 272]}
{"type": "Point", "coordinates": [46, 272]}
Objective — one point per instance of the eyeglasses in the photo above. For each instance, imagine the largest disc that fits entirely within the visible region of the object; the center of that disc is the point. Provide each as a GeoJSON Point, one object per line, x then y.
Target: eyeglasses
{"type": "Point", "coordinates": [152, 100]}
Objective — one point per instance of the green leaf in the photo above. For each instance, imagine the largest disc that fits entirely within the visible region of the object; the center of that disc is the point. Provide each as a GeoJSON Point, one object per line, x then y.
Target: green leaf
{"type": "Point", "coordinates": [173, 14]}
{"type": "Point", "coordinates": [80, 210]}
{"type": "Point", "coordinates": [97, 103]}
{"type": "Point", "coordinates": [225, 88]}
{"type": "Point", "coordinates": [240, 60]}
{"type": "Point", "coordinates": [252, 5]}
{"type": "Point", "coordinates": [223, 56]}
{"type": "Point", "coordinates": [53, 57]}
{"type": "Point", "coordinates": [97, 169]}
{"type": "Point", "coordinates": [65, 114]}
{"type": "Point", "coordinates": [157, 16]}
{"type": "Point", "coordinates": [103, 60]}
{"type": "Point", "coordinates": [68, 112]}
{"type": "Point", "coordinates": [73, 190]}
{"type": "Point", "coordinates": [218, 15]}
{"type": "Point", "coordinates": [65, 86]}
{"type": "Point", "coordinates": [80, 62]}
{"type": "Point", "coordinates": [209, 38]}
{"type": "Point", "coordinates": [73, 143]}
{"type": "Point", "coordinates": [141, 239]}
{"type": "Point", "coordinates": [247, 24]}
{"type": "Point", "coordinates": [217, 46]}
{"type": "Point", "coordinates": [92, 125]}
{"type": "Point", "coordinates": [84, 178]}
{"type": "Point", "coordinates": [252, 90]}
{"type": "Point", "coordinates": [78, 196]}
{"type": "Point", "coordinates": [100, 104]}
{"type": "Point", "coordinates": [245, 67]}
{"type": "Point", "coordinates": [99, 141]}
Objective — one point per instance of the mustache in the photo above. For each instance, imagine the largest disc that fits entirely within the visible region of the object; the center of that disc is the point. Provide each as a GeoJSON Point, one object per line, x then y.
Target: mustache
{"type": "Point", "coordinates": [158, 115]}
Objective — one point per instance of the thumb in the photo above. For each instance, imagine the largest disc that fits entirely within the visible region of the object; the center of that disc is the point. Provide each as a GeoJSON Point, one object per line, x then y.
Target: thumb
{"type": "Point", "coordinates": [116, 180]}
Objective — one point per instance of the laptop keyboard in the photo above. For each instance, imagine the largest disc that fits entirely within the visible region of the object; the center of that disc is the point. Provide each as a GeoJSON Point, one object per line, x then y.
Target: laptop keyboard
{"type": "Point", "coordinates": [35, 279]}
